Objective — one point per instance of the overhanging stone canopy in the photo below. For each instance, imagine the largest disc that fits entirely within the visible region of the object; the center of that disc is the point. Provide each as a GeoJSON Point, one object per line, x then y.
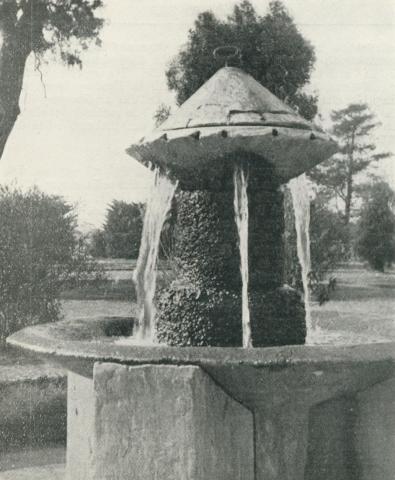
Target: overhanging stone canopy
{"type": "Point", "coordinates": [234, 114]}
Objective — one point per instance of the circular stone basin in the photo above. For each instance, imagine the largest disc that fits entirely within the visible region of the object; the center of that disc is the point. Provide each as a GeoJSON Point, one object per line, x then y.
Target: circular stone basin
{"type": "Point", "coordinates": [252, 376]}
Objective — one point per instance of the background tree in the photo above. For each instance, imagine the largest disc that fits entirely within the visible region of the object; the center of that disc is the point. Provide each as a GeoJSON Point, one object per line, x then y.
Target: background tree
{"type": "Point", "coordinates": [352, 127]}
{"type": "Point", "coordinates": [41, 252]}
{"type": "Point", "coordinates": [66, 27]}
{"type": "Point", "coordinates": [376, 228]}
{"type": "Point", "coordinates": [98, 244]}
{"type": "Point", "coordinates": [273, 51]}
{"type": "Point", "coordinates": [122, 229]}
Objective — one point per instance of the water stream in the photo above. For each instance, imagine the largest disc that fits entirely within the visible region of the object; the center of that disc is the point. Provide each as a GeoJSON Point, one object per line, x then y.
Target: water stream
{"type": "Point", "coordinates": [240, 180]}
{"type": "Point", "coordinates": [157, 208]}
{"type": "Point", "coordinates": [301, 204]}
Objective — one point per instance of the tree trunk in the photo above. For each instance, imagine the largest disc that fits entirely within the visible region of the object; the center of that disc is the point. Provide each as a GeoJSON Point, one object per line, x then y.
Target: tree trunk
{"type": "Point", "coordinates": [14, 50]}
{"type": "Point", "coordinates": [349, 191]}
{"type": "Point", "coordinates": [349, 185]}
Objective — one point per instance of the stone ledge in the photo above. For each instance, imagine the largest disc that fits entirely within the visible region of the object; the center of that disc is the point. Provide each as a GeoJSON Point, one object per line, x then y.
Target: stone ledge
{"type": "Point", "coordinates": [10, 375]}
{"type": "Point", "coordinates": [49, 472]}
{"type": "Point", "coordinates": [19, 459]}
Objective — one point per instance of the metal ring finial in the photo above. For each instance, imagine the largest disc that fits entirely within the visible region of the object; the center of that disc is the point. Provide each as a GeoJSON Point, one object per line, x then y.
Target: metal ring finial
{"type": "Point", "coordinates": [226, 52]}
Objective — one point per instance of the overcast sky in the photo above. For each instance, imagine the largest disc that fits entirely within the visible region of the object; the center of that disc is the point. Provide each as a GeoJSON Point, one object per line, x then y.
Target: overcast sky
{"type": "Point", "coordinates": [71, 139]}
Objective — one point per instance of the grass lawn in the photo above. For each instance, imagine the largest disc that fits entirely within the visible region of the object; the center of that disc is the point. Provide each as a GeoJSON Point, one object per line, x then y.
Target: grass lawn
{"type": "Point", "coordinates": [363, 302]}
{"type": "Point", "coordinates": [93, 308]}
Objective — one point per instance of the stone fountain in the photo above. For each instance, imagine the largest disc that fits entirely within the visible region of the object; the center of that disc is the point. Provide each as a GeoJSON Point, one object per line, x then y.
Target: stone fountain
{"type": "Point", "coordinates": [202, 407]}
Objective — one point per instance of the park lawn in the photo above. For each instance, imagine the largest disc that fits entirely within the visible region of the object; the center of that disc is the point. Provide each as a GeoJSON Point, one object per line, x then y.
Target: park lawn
{"type": "Point", "coordinates": [93, 308]}
{"type": "Point", "coordinates": [363, 303]}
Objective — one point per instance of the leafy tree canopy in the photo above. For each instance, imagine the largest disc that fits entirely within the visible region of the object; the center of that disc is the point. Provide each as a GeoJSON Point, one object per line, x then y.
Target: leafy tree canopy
{"type": "Point", "coordinates": [273, 51]}
{"type": "Point", "coordinates": [66, 27]}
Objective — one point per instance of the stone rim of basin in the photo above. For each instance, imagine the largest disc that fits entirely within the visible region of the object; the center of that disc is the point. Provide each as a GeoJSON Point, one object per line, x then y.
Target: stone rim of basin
{"type": "Point", "coordinates": [60, 340]}
{"type": "Point", "coordinates": [271, 375]}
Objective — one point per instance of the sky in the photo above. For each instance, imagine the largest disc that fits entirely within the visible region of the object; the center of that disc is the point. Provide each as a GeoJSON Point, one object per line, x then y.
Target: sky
{"type": "Point", "coordinates": [75, 125]}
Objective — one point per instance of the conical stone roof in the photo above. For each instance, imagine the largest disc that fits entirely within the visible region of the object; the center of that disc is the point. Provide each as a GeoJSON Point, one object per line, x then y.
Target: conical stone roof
{"type": "Point", "coordinates": [232, 116]}
{"type": "Point", "coordinates": [232, 97]}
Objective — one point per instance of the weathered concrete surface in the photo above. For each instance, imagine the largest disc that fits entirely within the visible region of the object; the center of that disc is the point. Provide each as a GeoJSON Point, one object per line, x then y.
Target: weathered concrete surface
{"type": "Point", "coordinates": [331, 449]}
{"type": "Point", "coordinates": [232, 112]}
{"type": "Point", "coordinates": [170, 422]}
{"type": "Point", "coordinates": [375, 432]}
{"type": "Point", "coordinates": [320, 412]}
{"type": "Point", "coordinates": [281, 437]}
{"type": "Point", "coordinates": [200, 433]}
{"type": "Point", "coordinates": [80, 427]}
{"type": "Point", "coordinates": [231, 97]}
{"type": "Point", "coordinates": [315, 364]}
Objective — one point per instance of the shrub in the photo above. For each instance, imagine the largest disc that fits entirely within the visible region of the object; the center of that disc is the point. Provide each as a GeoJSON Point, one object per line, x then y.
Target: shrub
{"type": "Point", "coordinates": [40, 253]}
{"type": "Point", "coordinates": [376, 229]}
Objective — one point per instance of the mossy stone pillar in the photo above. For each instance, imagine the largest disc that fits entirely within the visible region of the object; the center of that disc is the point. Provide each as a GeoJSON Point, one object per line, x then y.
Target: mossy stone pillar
{"type": "Point", "coordinates": [204, 306]}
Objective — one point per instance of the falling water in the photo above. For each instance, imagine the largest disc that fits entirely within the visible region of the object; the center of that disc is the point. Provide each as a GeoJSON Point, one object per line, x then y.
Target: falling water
{"type": "Point", "coordinates": [158, 206]}
{"type": "Point", "coordinates": [240, 181]}
{"type": "Point", "coordinates": [301, 203]}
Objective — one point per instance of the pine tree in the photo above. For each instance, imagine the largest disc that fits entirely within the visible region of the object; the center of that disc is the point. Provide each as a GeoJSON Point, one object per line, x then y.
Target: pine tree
{"type": "Point", "coordinates": [337, 176]}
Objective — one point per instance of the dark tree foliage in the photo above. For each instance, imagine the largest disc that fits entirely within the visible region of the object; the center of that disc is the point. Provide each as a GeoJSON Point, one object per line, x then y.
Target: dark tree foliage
{"type": "Point", "coordinates": [40, 253]}
{"type": "Point", "coordinates": [98, 246]}
{"type": "Point", "coordinates": [337, 176]}
{"type": "Point", "coordinates": [376, 228]}
{"type": "Point", "coordinates": [65, 27]}
{"type": "Point", "coordinates": [122, 229]}
{"type": "Point", "coordinates": [273, 51]}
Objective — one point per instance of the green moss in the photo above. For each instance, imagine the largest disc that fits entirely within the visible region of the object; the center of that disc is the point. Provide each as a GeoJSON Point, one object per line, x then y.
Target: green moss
{"type": "Point", "coordinates": [204, 306]}
{"type": "Point", "coordinates": [277, 318]}
{"type": "Point", "coordinates": [190, 316]}
{"type": "Point", "coordinates": [206, 239]}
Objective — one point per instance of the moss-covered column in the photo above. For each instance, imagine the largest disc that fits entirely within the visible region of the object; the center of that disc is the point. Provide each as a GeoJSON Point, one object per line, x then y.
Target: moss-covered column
{"type": "Point", "coordinates": [203, 306]}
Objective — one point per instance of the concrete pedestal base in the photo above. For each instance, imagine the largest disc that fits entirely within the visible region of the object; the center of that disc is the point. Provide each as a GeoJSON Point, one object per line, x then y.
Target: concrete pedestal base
{"type": "Point", "coordinates": [281, 443]}
{"type": "Point", "coordinates": [176, 423]}
{"type": "Point", "coordinates": [375, 432]}
{"type": "Point", "coordinates": [156, 422]}
{"type": "Point", "coordinates": [285, 413]}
